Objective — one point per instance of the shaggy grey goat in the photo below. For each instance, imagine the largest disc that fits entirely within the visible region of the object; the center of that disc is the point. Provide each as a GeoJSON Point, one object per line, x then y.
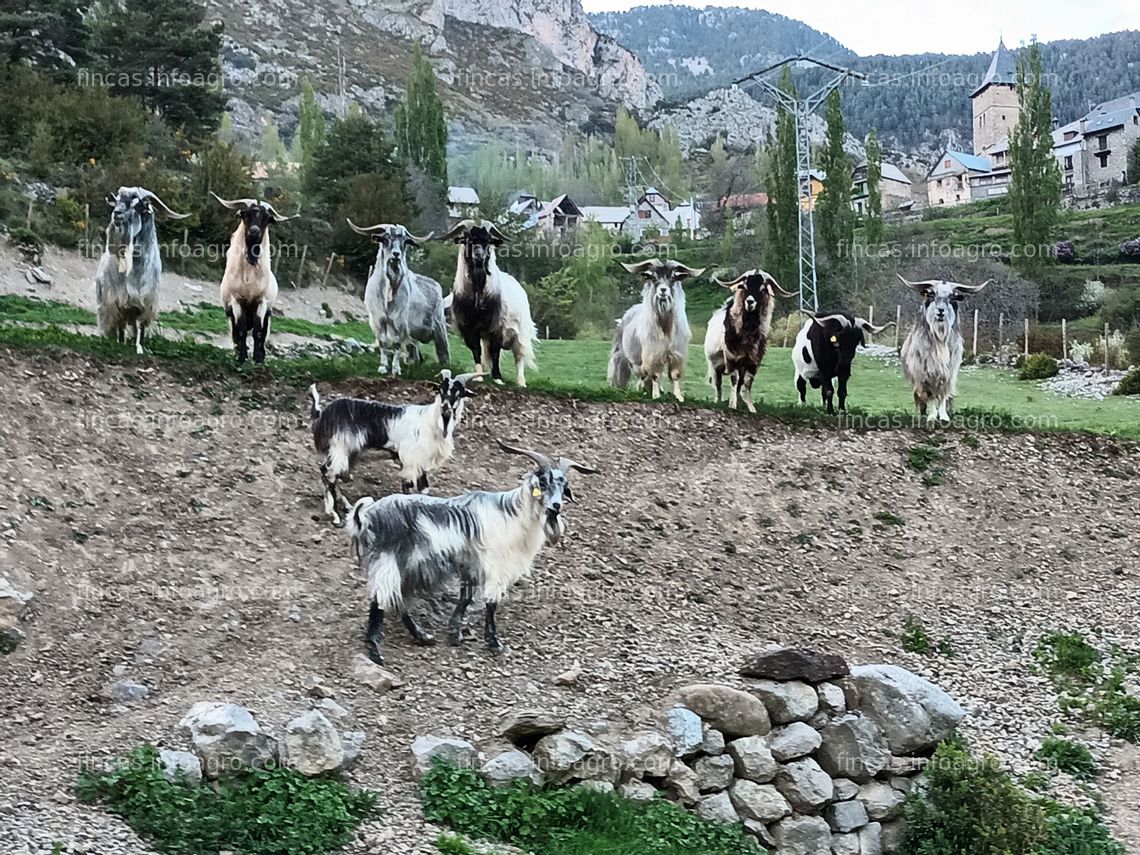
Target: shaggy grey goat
{"type": "Point", "coordinates": [932, 352]}
{"type": "Point", "coordinates": [126, 282]}
{"type": "Point", "coordinates": [403, 307]}
{"type": "Point", "coordinates": [411, 544]}
{"type": "Point", "coordinates": [419, 436]}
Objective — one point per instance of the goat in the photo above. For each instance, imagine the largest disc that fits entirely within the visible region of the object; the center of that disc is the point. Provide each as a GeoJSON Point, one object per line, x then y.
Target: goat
{"type": "Point", "coordinates": [249, 288]}
{"type": "Point", "coordinates": [408, 545]}
{"type": "Point", "coordinates": [737, 335]}
{"type": "Point", "coordinates": [126, 281]}
{"type": "Point", "coordinates": [490, 307]}
{"type": "Point", "coordinates": [653, 336]}
{"type": "Point", "coordinates": [403, 307]}
{"type": "Point", "coordinates": [419, 436]}
{"type": "Point", "coordinates": [932, 352]}
{"type": "Point", "coordinates": [824, 350]}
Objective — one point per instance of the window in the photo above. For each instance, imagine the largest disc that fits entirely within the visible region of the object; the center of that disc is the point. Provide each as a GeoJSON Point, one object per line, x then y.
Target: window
{"type": "Point", "coordinates": [947, 163]}
{"type": "Point", "coordinates": [1069, 162]}
{"type": "Point", "coordinates": [644, 215]}
{"type": "Point", "coordinates": [1102, 156]}
{"type": "Point", "coordinates": [1102, 143]}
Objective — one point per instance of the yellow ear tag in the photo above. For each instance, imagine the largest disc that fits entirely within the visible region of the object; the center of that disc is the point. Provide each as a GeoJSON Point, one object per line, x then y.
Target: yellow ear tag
{"type": "Point", "coordinates": [536, 492]}
{"type": "Point", "coordinates": [835, 339]}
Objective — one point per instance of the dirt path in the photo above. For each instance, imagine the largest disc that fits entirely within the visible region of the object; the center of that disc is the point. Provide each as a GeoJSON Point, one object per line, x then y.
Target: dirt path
{"type": "Point", "coordinates": [166, 527]}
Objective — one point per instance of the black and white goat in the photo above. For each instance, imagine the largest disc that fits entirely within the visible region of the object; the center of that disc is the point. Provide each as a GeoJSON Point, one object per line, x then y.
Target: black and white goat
{"type": "Point", "coordinates": [421, 437]}
{"type": "Point", "coordinates": [932, 352]}
{"type": "Point", "coordinates": [824, 350]}
{"type": "Point", "coordinates": [126, 282]}
{"type": "Point", "coordinates": [249, 288]}
{"type": "Point", "coordinates": [737, 335]}
{"type": "Point", "coordinates": [410, 544]}
{"type": "Point", "coordinates": [491, 309]}
{"type": "Point", "coordinates": [403, 307]}
{"type": "Point", "coordinates": [652, 338]}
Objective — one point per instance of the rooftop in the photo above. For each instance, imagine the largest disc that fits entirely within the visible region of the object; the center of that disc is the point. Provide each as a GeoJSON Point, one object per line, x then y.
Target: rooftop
{"type": "Point", "coordinates": [1002, 70]}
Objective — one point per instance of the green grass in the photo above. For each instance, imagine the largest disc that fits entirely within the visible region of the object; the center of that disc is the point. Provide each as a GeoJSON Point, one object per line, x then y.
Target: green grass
{"type": "Point", "coordinates": [1068, 658]}
{"type": "Point", "coordinates": [1067, 756]}
{"type": "Point", "coordinates": [264, 812]}
{"type": "Point", "coordinates": [572, 821]}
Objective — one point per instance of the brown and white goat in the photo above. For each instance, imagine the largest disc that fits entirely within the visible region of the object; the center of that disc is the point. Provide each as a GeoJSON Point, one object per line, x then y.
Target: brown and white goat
{"type": "Point", "coordinates": [249, 288]}
{"type": "Point", "coordinates": [737, 335]}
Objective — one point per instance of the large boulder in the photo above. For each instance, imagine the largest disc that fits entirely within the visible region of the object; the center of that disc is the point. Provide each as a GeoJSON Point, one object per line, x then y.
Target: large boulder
{"type": "Point", "coordinates": [831, 699]}
{"type": "Point", "coordinates": [227, 738]}
{"type": "Point", "coordinates": [714, 773]}
{"type": "Point", "coordinates": [456, 752]}
{"type": "Point", "coordinates": [713, 742]}
{"type": "Point", "coordinates": [845, 844]}
{"type": "Point", "coordinates": [312, 744]}
{"type": "Point", "coordinates": [802, 835]}
{"type": "Point", "coordinates": [648, 753]}
{"type": "Point", "coordinates": [753, 759]}
{"type": "Point", "coordinates": [853, 747]}
{"type": "Point", "coordinates": [682, 784]}
{"type": "Point", "coordinates": [871, 839]}
{"type": "Point", "coordinates": [717, 808]}
{"type": "Point", "coordinates": [882, 800]}
{"type": "Point", "coordinates": [526, 727]}
{"type": "Point", "coordinates": [760, 802]}
{"type": "Point", "coordinates": [786, 702]}
{"type": "Point", "coordinates": [570, 755]}
{"type": "Point", "coordinates": [637, 791]}
{"type": "Point", "coordinates": [845, 816]}
{"type": "Point", "coordinates": [685, 731]}
{"type": "Point", "coordinates": [792, 741]}
{"type": "Point", "coordinates": [731, 711]}
{"type": "Point", "coordinates": [795, 664]}
{"type": "Point", "coordinates": [913, 713]}
{"type": "Point", "coordinates": [806, 786]}
{"type": "Point", "coordinates": [511, 766]}
{"type": "Point", "coordinates": [368, 673]}
{"type": "Point", "coordinates": [180, 767]}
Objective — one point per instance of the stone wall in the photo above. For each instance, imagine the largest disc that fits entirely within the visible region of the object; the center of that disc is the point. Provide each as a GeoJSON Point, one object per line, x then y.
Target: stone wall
{"type": "Point", "coordinates": [810, 755]}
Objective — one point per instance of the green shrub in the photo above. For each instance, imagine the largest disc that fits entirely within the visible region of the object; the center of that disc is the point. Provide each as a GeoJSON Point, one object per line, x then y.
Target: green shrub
{"type": "Point", "coordinates": [1129, 384]}
{"type": "Point", "coordinates": [1038, 366]}
{"type": "Point", "coordinates": [971, 806]}
{"type": "Point", "coordinates": [26, 240]}
{"type": "Point", "coordinates": [1067, 756]}
{"type": "Point", "coordinates": [1115, 710]}
{"type": "Point", "coordinates": [552, 301]}
{"type": "Point", "coordinates": [265, 812]}
{"type": "Point", "coordinates": [573, 821]}
{"type": "Point", "coordinates": [1077, 832]}
{"type": "Point", "coordinates": [1068, 658]}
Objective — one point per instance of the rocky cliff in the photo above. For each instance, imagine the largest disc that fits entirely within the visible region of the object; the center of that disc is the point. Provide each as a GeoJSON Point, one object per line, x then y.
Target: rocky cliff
{"type": "Point", "coordinates": [520, 71]}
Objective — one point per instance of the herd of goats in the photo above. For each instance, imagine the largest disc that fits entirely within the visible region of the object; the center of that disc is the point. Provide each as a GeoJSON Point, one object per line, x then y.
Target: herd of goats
{"type": "Point", "coordinates": [410, 543]}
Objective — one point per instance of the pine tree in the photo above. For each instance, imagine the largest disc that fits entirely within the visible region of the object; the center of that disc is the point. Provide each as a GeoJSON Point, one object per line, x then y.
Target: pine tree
{"type": "Point", "coordinates": [873, 229]}
{"type": "Point", "coordinates": [1035, 183]}
{"type": "Point", "coordinates": [421, 129]}
{"type": "Point", "coordinates": [310, 133]}
{"type": "Point", "coordinates": [165, 53]}
{"type": "Point", "coordinates": [833, 208]}
{"type": "Point", "coordinates": [44, 33]}
{"type": "Point", "coordinates": [782, 253]}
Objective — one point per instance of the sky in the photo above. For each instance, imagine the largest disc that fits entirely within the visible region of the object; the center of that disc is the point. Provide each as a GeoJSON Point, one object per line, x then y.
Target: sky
{"type": "Point", "coordinates": [915, 26]}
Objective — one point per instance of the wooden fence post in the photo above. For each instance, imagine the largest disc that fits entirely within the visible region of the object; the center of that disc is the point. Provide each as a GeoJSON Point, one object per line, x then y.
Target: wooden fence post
{"type": "Point", "coordinates": [871, 321]}
{"type": "Point", "coordinates": [87, 249]}
{"type": "Point", "coordinates": [786, 330]}
{"type": "Point", "coordinates": [28, 218]}
{"type": "Point", "coordinates": [301, 266]}
{"type": "Point", "coordinates": [898, 323]}
{"type": "Point", "coordinates": [1106, 348]}
{"type": "Point", "coordinates": [1001, 330]}
{"type": "Point", "coordinates": [185, 248]}
{"type": "Point", "coordinates": [975, 347]}
{"type": "Point", "coordinates": [325, 278]}
{"type": "Point", "coordinates": [1027, 338]}
{"type": "Point", "coordinates": [1064, 339]}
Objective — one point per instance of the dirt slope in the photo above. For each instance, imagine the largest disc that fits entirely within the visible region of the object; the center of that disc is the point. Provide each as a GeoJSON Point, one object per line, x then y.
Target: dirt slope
{"type": "Point", "coordinates": [165, 525]}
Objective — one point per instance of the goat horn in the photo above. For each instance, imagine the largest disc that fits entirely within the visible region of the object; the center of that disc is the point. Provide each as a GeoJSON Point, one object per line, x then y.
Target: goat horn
{"type": "Point", "coordinates": [867, 326]}
{"type": "Point", "coordinates": [732, 283]}
{"type": "Point", "coordinates": [685, 271]}
{"type": "Point", "coordinates": [641, 266]}
{"type": "Point", "coordinates": [841, 319]}
{"type": "Point", "coordinates": [774, 287]}
{"type": "Point", "coordinates": [566, 464]}
{"type": "Point", "coordinates": [366, 230]}
{"type": "Point", "coordinates": [462, 227]}
{"type": "Point", "coordinates": [235, 204]}
{"type": "Point", "coordinates": [920, 287]}
{"type": "Point", "coordinates": [165, 208]}
{"type": "Point", "coordinates": [470, 377]}
{"type": "Point", "coordinates": [276, 216]}
{"type": "Point", "coordinates": [973, 289]}
{"type": "Point", "coordinates": [494, 230]}
{"type": "Point", "coordinates": [541, 459]}
{"type": "Point", "coordinates": [416, 239]}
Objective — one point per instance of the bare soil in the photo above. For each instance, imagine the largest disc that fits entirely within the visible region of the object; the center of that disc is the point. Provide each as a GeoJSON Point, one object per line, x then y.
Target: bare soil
{"type": "Point", "coordinates": [170, 529]}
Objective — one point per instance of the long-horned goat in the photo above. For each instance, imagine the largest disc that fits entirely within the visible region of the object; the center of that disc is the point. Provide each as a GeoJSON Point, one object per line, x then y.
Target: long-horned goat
{"type": "Point", "coordinates": [412, 544]}
{"type": "Point", "coordinates": [420, 437]}
{"type": "Point", "coordinates": [491, 309]}
{"type": "Point", "coordinates": [249, 288]}
{"type": "Point", "coordinates": [126, 282]}
{"type": "Point", "coordinates": [652, 338]}
{"type": "Point", "coordinates": [403, 307]}
{"type": "Point", "coordinates": [737, 335]}
{"type": "Point", "coordinates": [932, 352]}
{"type": "Point", "coordinates": [824, 350]}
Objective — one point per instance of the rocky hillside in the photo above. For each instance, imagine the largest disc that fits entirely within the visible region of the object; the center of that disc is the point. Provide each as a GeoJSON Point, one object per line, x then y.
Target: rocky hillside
{"type": "Point", "coordinates": [522, 71]}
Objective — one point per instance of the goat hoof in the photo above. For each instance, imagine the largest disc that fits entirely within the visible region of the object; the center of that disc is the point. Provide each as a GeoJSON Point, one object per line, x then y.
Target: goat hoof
{"type": "Point", "coordinates": [495, 646]}
{"type": "Point", "coordinates": [373, 652]}
{"type": "Point", "coordinates": [425, 640]}
{"type": "Point", "coordinates": [455, 639]}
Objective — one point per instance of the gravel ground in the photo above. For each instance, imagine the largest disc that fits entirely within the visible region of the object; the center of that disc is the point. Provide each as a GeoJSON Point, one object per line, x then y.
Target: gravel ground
{"type": "Point", "coordinates": [171, 533]}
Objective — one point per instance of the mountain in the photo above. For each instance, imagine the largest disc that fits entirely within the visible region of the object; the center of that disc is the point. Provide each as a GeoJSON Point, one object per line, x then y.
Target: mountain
{"type": "Point", "coordinates": [520, 71]}
{"type": "Point", "coordinates": [918, 102]}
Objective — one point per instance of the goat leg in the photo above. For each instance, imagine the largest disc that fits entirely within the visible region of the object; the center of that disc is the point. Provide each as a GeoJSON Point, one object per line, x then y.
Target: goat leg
{"type": "Point", "coordinates": [718, 381]}
{"type": "Point", "coordinates": [422, 483]}
{"type": "Point", "coordinates": [455, 624]}
{"type": "Point", "coordinates": [496, 371]}
{"type": "Point", "coordinates": [491, 630]}
{"type": "Point", "coordinates": [422, 637]}
{"type": "Point", "coordinates": [260, 333]}
{"type": "Point", "coordinates": [748, 392]}
{"type": "Point", "coordinates": [374, 633]}
{"type": "Point", "coordinates": [801, 387]}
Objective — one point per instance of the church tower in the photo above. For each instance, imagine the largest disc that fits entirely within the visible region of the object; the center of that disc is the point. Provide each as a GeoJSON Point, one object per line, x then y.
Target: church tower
{"type": "Point", "coordinates": [995, 101]}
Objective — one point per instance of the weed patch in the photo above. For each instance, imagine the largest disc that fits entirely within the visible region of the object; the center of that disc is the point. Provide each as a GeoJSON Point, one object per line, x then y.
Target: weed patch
{"type": "Point", "coordinates": [1067, 756]}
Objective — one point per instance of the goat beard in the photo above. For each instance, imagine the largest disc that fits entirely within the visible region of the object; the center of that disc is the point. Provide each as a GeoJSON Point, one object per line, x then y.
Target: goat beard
{"type": "Point", "coordinates": [552, 527]}
{"type": "Point", "coordinates": [125, 255]}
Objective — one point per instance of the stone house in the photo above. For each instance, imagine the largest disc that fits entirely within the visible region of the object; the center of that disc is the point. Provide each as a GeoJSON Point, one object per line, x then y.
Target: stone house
{"type": "Point", "coordinates": [894, 188]}
{"type": "Point", "coordinates": [948, 181]}
{"type": "Point", "coordinates": [462, 204]}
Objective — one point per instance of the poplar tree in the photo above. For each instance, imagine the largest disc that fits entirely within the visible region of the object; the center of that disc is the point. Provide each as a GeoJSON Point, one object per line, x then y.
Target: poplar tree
{"type": "Point", "coordinates": [873, 228]}
{"type": "Point", "coordinates": [421, 129]}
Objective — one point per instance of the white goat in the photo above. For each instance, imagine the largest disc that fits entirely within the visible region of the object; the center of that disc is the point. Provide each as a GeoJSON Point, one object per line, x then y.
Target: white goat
{"type": "Point", "coordinates": [126, 282]}
{"type": "Point", "coordinates": [932, 352]}
{"type": "Point", "coordinates": [490, 307]}
{"type": "Point", "coordinates": [403, 307]}
{"type": "Point", "coordinates": [249, 288]}
{"type": "Point", "coordinates": [653, 337]}
{"type": "Point", "coordinates": [420, 436]}
{"type": "Point", "coordinates": [411, 544]}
